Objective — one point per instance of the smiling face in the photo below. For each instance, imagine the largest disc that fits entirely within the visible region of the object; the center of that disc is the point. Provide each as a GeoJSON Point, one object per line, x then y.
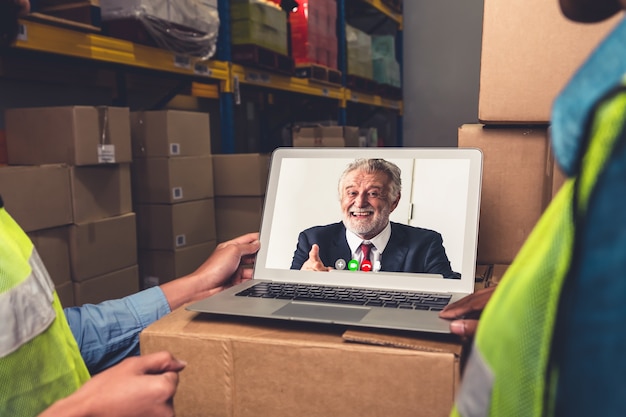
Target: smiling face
{"type": "Point", "coordinates": [366, 202]}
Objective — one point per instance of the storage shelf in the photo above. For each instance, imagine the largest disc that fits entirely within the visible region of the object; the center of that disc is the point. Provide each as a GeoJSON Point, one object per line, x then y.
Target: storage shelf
{"type": "Point", "coordinates": [282, 82]}
{"type": "Point", "coordinates": [50, 39]}
{"type": "Point", "coordinates": [373, 100]}
{"type": "Point", "coordinates": [386, 10]}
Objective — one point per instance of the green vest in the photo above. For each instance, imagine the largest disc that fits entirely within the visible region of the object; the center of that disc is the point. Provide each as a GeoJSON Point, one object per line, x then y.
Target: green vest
{"type": "Point", "coordinates": [40, 362]}
{"type": "Point", "coordinates": [508, 372]}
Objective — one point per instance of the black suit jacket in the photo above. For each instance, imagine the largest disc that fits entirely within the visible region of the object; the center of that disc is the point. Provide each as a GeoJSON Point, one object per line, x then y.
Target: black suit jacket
{"type": "Point", "coordinates": [410, 249]}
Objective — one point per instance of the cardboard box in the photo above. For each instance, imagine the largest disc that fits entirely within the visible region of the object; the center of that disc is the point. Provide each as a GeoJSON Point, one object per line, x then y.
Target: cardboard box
{"type": "Point", "coordinates": [100, 191]}
{"type": "Point", "coordinates": [170, 133]}
{"type": "Point", "coordinates": [516, 186]}
{"type": "Point", "coordinates": [326, 136]}
{"type": "Point", "coordinates": [172, 180]}
{"type": "Point", "coordinates": [102, 246]}
{"type": "Point", "coordinates": [37, 197]}
{"type": "Point", "coordinates": [255, 368]}
{"type": "Point", "coordinates": [75, 135]}
{"type": "Point", "coordinates": [111, 286]}
{"type": "Point", "coordinates": [529, 52]}
{"type": "Point", "coordinates": [172, 226]}
{"type": "Point", "coordinates": [159, 266]}
{"type": "Point", "coordinates": [497, 273]}
{"type": "Point", "coordinates": [236, 216]}
{"type": "Point", "coordinates": [53, 248]}
{"type": "Point", "coordinates": [66, 294]}
{"type": "Point", "coordinates": [3, 148]}
{"type": "Point", "coordinates": [241, 174]}
{"type": "Point", "coordinates": [558, 178]}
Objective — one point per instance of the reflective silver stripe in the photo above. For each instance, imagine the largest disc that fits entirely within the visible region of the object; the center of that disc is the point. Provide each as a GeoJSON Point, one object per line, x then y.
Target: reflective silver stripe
{"type": "Point", "coordinates": [26, 311]}
{"type": "Point", "coordinates": [474, 396]}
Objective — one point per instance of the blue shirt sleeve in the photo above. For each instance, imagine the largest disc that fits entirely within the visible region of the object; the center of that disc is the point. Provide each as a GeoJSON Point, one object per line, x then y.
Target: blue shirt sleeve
{"type": "Point", "coordinates": [109, 332]}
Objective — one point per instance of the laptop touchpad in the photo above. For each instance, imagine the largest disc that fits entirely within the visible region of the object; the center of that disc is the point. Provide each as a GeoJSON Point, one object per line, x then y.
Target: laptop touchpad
{"type": "Point", "coordinates": [322, 312]}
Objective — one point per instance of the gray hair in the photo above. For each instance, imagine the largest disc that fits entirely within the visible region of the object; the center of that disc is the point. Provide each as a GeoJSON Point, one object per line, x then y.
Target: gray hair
{"type": "Point", "coordinates": [370, 166]}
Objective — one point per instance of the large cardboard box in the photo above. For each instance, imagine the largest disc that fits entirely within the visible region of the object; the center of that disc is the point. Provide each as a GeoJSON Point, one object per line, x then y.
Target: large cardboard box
{"type": "Point", "coordinates": [170, 133]}
{"type": "Point", "coordinates": [102, 246]}
{"type": "Point", "coordinates": [53, 248]}
{"type": "Point", "coordinates": [100, 191]}
{"type": "Point", "coordinates": [326, 136]}
{"type": "Point", "coordinates": [172, 180]}
{"type": "Point", "coordinates": [516, 186]}
{"type": "Point", "coordinates": [111, 286]}
{"type": "Point", "coordinates": [235, 216]}
{"type": "Point", "coordinates": [529, 52]}
{"type": "Point", "coordinates": [250, 367]}
{"type": "Point", "coordinates": [75, 135]}
{"type": "Point", "coordinates": [159, 266]}
{"type": "Point", "coordinates": [241, 174]}
{"type": "Point", "coordinates": [37, 197]}
{"type": "Point", "coordinates": [66, 294]}
{"type": "Point", "coordinates": [171, 226]}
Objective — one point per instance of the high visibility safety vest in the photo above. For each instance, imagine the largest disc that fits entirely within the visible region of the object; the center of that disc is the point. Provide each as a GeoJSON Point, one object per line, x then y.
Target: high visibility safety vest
{"type": "Point", "coordinates": [509, 371]}
{"type": "Point", "coordinates": [40, 362]}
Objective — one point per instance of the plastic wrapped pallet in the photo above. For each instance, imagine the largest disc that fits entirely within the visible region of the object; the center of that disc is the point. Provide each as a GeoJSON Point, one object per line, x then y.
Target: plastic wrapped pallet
{"type": "Point", "coordinates": [182, 26]}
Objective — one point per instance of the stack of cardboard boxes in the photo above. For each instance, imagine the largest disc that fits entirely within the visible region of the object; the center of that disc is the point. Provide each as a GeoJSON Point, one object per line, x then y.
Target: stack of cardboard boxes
{"type": "Point", "coordinates": [314, 33]}
{"type": "Point", "coordinates": [522, 72]}
{"type": "Point", "coordinates": [80, 210]}
{"type": "Point", "coordinates": [240, 184]}
{"type": "Point", "coordinates": [172, 193]}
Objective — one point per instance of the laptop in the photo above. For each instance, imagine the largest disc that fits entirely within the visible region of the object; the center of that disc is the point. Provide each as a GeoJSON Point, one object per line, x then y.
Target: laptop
{"type": "Point", "coordinates": [440, 192]}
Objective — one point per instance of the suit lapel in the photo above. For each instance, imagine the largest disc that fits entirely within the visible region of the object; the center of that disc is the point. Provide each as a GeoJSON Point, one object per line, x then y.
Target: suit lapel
{"type": "Point", "coordinates": [341, 243]}
{"type": "Point", "coordinates": [395, 253]}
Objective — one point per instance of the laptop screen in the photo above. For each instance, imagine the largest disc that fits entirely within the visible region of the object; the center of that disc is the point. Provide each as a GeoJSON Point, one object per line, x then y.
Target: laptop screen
{"type": "Point", "coordinates": [440, 192]}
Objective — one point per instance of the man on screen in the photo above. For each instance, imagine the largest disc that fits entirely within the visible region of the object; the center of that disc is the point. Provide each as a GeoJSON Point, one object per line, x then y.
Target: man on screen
{"type": "Point", "coordinates": [369, 191]}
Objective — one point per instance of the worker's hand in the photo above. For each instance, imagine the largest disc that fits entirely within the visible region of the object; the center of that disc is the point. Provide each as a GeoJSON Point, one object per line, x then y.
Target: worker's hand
{"type": "Point", "coordinates": [466, 312]}
{"type": "Point", "coordinates": [228, 265]}
{"type": "Point", "coordinates": [314, 263]}
{"type": "Point", "coordinates": [141, 386]}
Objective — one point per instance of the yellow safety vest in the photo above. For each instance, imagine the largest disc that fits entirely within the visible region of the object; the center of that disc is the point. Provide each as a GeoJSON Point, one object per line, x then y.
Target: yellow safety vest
{"type": "Point", "coordinates": [40, 362]}
{"type": "Point", "coordinates": [508, 372]}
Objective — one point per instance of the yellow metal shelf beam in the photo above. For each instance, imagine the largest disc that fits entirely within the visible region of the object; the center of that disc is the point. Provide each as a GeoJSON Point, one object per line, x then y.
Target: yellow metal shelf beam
{"type": "Point", "coordinates": [45, 38]}
{"type": "Point", "coordinates": [372, 100]}
{"type": "Point", "coordinates": [390, 13]}
{"type": "Point", "coordinates": [282, 82]}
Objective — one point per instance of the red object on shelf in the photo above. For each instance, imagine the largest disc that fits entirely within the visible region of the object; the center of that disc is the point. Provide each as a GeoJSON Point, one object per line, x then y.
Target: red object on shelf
{"type": "Point", "coordinates": [314, 33]}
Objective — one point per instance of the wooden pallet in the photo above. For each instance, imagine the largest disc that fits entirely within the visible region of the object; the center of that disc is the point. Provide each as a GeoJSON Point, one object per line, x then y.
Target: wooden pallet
{"type": "Point", "coordinates": [364, 85]}
{"type": "Point", "coordinates": [389, 91]}
{"type": "Point", "coordinates": [263, 58]}
{"type": "Point", "coordinates": [318, 73]}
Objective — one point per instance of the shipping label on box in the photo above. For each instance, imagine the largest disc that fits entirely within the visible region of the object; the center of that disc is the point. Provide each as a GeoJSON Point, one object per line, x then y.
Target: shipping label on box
{"type": "Point", "coordinates": [172, 226]}
{"type": "Point", "coordinates": [160, 266]}
{"type": "Point", "coordinates": [172, 180]}
{"type": "Point", "coordinates": [170, 133]}
{"type": "Point", "coordinates": [74, 135]}
{"type": "Point", "coordinates": [37, 197]}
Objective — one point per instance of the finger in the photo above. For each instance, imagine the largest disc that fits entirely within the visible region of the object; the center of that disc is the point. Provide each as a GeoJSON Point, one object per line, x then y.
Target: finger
{"type": "Point", "coordinates": [159, 362]}
{"type": "Point", "coordinates": [243, 239]}
{"type": "Point", "coordinates": [464, 328]}
{"type": "Point", "coordinates": [314, 253]}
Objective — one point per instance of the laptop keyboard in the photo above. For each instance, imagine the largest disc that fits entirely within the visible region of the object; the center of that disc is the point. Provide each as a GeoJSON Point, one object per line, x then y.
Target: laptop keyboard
{"type": "Point", "coordinates": [347, 295]}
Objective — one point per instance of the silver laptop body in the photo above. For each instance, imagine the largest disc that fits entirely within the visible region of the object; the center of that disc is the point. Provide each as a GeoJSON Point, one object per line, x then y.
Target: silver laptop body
{"type": "Point", "coordinates": [440, 191]}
